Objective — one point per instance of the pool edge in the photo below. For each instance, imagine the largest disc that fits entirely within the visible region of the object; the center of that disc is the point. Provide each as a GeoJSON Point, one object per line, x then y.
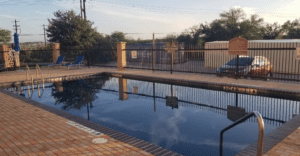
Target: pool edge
{"type": "Point", "coordinates": [155, 150]}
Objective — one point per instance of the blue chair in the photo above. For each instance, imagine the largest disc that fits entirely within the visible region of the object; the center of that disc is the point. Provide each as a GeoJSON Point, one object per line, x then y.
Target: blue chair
{"type": "Point", "coordinates": [77, 63]}
{"type": "Point", "coordinates": [58, 61]}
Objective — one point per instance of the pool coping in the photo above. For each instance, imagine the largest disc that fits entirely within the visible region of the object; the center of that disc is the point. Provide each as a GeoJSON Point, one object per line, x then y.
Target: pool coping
{"type": "Point", "coordinates": [138, 143]}
{"type": "Point", "coordinates": [270, 140]}
{"type": "Point", "coordinates": [273, 137]}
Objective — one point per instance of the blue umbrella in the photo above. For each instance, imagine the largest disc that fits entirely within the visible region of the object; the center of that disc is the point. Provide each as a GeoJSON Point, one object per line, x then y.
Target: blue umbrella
{"type": "Point", "coordinates": [17, 44]}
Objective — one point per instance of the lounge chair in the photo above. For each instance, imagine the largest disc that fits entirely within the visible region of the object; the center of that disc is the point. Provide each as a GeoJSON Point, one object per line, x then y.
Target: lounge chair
{"type": "Point", "coordinates": [77, 63]}
{"type": "Point", "coordinates": [58, 61]}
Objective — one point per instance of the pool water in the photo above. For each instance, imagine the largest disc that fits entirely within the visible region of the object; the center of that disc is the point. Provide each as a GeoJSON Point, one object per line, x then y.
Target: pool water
{"type": "Point", "coordinates": [189, 126]}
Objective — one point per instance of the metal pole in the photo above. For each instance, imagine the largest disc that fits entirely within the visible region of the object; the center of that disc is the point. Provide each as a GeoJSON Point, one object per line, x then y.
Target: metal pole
{"type": "Point", "coordinates": [88, 55]}
{"type": "Point", "coordinates": [153, 53]}
{"type": "Point", "coordinates": [16, 26]}
{"type": "Point", "coordinates": [44, 34]}
{"type": "Point", "coordinates": [236, 99]}
{"type": "Point", "coordinates": [172, 90]}
{"type": "Point", "coordinates": [237, 67]}
{"type": "Point", "coordinates": [88, 112]}
{"type": "Point", "coordinates": [81, 9]}
{"type": "Point", "coordinates": [171, 63]}
{"type": "Point", "coordinates": [154, 97]}
{"type": "Point", "coordinates": [84, 9]}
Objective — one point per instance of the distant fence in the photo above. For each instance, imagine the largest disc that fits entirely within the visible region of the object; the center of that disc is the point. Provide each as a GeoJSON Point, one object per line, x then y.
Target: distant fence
{"type": "Point", "coordinates": [188, 59]}
{"type": "Point", "coordinates": [280, 54]}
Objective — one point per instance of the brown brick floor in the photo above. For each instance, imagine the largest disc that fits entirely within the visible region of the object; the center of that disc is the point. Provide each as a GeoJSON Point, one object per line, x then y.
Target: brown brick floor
{"type": "Point", "coordinates": [290, 146]}
{"type": "Point", "coordinates": [28, 130]}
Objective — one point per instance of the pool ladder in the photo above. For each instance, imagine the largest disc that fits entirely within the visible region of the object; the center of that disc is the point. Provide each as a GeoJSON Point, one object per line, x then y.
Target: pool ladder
{"type": "Point", "coordinates": [261, 131]}
{"type": "Point", "coordinates": [32, 84]}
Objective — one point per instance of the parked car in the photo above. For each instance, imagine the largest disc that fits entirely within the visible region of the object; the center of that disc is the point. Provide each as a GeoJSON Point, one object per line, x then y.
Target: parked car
{"type": "Point", "coordinates": [258, 66]}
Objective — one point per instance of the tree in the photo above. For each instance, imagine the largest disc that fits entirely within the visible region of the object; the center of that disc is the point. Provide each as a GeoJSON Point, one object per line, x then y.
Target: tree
{"type": "Point", "coordinates": [5, 36]}
{"type": "Point", "coordinates": [169, 38]}
{"type": "Point", "coordinates": [232, 23]}
{"type": "Point", "coordinates": [186, 38]}
{"type": "Point", "coordinates": [272, 31]}
{"type": "Point", "coordinates": [252, 29]}
{"type": "Point", "coordinates": [117, 37]}
{"type": "Point", "coordinates": [71, 31]}
{"type": "Point", "coordinates": [292, 29]}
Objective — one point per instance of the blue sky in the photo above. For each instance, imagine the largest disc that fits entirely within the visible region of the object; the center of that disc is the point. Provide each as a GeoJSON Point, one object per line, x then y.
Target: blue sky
{"type": "Point", "coordinates": [139, 16]}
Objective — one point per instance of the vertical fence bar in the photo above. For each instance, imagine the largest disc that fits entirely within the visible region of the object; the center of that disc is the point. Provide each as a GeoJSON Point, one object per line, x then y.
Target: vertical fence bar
{"type": "Point", "coordinates": [153, 54]}
{"type": "Point", "coordinates": [237, 66]}
{"type": "Point", "coordinates": [171, 63]}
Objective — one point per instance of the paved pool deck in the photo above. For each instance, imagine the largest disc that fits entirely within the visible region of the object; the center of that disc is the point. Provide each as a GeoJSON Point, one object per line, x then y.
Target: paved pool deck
{"type": "Point", "coordinates": [27, 129]}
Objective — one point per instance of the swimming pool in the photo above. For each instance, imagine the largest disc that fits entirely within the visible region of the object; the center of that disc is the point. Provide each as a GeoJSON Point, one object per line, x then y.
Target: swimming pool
{"type": "Point", "coordinates": [190, 125]}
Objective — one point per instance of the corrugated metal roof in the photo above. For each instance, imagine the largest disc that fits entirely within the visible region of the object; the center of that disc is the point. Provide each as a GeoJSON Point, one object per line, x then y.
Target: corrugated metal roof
{"type": "Point", "coordinates": [263, 41]}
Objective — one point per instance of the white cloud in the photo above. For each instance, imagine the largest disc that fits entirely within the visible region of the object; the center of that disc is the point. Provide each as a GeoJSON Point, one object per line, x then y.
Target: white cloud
{"type": "Point", "coordinates": [43, 13]}
{"type": "Point", "coordinates": [278, 13]}
{"type": "Point", "coordinates": [127, 19]}
{"type": "Point", "coordinates": [7, 16]}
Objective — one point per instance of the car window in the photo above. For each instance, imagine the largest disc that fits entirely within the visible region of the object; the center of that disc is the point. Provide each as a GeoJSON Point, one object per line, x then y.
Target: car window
{"type": "Point", "coordinates": [242, 61]}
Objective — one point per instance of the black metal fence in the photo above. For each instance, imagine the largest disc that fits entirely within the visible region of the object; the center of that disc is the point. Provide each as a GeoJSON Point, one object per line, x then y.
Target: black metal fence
{"type": "Point", "coordinates": [92, 57]}
{"type": "Point", "coordinates": [267, 61]}
{"type": "Point", "coordinates": [272, 61]}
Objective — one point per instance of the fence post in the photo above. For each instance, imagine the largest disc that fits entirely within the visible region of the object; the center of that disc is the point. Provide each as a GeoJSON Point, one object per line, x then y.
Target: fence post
{"type": "Point", "coordinates": [172, 56]}
{"type": "Point", "coordinates": [56, 51]}
{"type": "Point", "coordinates": [4, 49]}
{"type": "Point", "coordinates": [153, 53]}
{"type": "Point", "coordinates": [237, 67]}
{"type": "Point", "coordinates": [121, 55]}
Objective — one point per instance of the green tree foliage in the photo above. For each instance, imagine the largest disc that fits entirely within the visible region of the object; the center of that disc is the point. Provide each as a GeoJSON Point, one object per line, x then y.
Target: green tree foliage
{"type": "Point", "coordinates": [5, 36]}
{"type": "Point", "coordinates": [292, 29]}
{"type": "Point", "coordinates": [71, 31]}
{"type": "Point", "coordinates": [232, 24]}
{"type": "Point", "coordinates": [272, 31]}
{"type": "Point", "coordinates": [252, 29]}
{"type": "Point", "coordinates": [186, 38]}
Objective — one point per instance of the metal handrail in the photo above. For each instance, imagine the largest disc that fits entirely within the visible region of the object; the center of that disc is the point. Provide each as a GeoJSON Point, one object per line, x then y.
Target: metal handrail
{"type": "Point", "coordinates": [40, 95]}
{"type": "Point", "coordinates": [39, 69]}
{"type": "Point", "coordinates": [28, 91]}
{"type": "Point", "coordinates": [27, 72]}
{"type": "Point", "coordinates": [260, 136]}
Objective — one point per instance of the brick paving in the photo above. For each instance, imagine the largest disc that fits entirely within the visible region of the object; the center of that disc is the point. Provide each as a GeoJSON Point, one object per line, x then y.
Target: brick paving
{"type": "Point", "coordinates": [290, 146]}
{"type": "Point", "coordinates": [18, 136]}
{"type": "Point", "coordinates": [28, 130]}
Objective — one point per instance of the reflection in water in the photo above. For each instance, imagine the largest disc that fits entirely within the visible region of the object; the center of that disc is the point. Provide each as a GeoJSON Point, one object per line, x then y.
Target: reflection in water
{"type": "Point", "coordinates": [123, 89]}
{"type": "Point", "coordinates": [194, 126]}
{"type": "Point", "coordinates": [154, 97]}
{"type": "Point", "coordinates": [77, 94]}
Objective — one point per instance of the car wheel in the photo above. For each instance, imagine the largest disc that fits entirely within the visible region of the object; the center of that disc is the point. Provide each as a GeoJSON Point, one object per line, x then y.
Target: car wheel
{"type": "Point", "coordinates": [268, 76]}
{"type": "Point", "coordinates": [248, 76]}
